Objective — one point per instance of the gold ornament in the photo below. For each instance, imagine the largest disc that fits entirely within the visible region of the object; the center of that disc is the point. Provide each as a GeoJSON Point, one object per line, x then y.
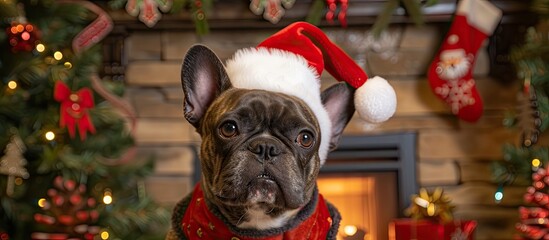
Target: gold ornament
{"type": "Point", "coordinates": [431, 205]}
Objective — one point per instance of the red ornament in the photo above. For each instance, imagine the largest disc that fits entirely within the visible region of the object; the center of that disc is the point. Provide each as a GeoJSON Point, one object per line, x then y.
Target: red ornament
{"type": "Point", "coordinates": [342, 15]}
{"type": "Point", "coordinates": [22, 37]}
{"type": "Point", "coordinates": [4, 236]}
{"type": "Point", "coordinates": [70, 213]}
{"type": "Point", "coordinates": [74, 109]}
{"type": "Point", "coordinates": [534, 223]}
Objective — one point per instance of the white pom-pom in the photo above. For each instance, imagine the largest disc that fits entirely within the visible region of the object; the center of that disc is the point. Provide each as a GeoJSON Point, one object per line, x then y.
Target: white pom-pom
{"type": "Point", "coordinates": [375, 100]}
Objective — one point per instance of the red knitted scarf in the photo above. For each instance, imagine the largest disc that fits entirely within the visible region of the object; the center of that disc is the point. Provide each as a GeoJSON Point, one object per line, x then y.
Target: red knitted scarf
{"type": "Point", "coordinates": [199, 223]}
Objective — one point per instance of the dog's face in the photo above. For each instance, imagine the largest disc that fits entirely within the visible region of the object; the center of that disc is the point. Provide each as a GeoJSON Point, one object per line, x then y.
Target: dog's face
{"type": "Point", "coordinates": [259, 152]}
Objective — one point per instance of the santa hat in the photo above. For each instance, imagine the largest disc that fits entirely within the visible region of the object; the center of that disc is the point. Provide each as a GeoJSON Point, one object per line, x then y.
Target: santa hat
{"type": "Point", "coordinates": [291, 62]}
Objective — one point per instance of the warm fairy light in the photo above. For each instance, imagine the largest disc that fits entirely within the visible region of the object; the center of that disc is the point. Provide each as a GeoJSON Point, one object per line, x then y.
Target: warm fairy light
{"type": "Point", "coordinates": [40, 47]}
{"type": "Point", "coordinates": [50, 135]}
{"type": "Point", "coordinates": [536, 163]}
{"type": "Point", "coordinates": [104, 235]}
{"type": "Point", "coordinates": [41, 202]}
{"type": "Point", "coordinates": [19, 28]}
{"type": "Point", "coordinates": [12, 84]}
{"type": "Point", "coordinates": [58, 55]}
{"type": "Point", "coordinates": [68, 65]}
{"type": "Point", "coordinates": [350, 230]}
{"type": "Point", "coordinates": [107, 197]}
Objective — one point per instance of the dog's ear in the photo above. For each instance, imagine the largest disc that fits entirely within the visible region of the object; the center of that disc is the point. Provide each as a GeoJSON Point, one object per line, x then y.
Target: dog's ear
{"type": "Point", "coordinates": [203, 78]}
{"type": "Point", "coordinates": [338, 102]}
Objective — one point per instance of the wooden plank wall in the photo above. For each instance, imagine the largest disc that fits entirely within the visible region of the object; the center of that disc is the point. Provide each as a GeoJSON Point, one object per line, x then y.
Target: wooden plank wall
{"type": "Point", "coordinates": [452, 154]}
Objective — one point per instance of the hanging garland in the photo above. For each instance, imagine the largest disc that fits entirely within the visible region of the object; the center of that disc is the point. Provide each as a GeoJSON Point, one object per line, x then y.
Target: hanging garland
{"type": "Point", "coordinates": [148, 12]}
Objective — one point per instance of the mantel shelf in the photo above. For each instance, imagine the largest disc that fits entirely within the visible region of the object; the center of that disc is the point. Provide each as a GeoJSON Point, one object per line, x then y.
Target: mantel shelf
{"type": "Point", "coordinates": [235, 14]}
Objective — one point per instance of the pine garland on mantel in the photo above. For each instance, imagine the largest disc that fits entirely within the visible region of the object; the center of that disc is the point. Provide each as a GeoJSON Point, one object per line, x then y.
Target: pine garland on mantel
{"type": "Point", "coordinates": [150, 11]}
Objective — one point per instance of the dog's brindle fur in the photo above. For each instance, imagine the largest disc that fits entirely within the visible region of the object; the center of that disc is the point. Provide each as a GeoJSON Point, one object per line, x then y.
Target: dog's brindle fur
{"type": "Point", "coordinates": [259, 152]}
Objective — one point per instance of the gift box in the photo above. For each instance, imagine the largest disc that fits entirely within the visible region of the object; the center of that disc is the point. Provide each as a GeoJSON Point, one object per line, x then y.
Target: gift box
{"type": "Point", "coordinates": [408, 229]}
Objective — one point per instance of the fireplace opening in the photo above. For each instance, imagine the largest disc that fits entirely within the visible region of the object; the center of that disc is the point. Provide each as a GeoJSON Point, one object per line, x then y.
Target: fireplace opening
{"type": "Point", "coordinates": [370, 180]}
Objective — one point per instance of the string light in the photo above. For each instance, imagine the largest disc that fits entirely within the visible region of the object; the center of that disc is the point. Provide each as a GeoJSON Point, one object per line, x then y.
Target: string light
{"type": "Point", "coordinates": [68, 65]}
{"type": "Point", "coordinates": [50, 135]}
{"type": "Point", "coordinates": [104, 235]}
{"type": "Point", "coordinates": [536, 163]}
{"type": "Point", "coordinates": [498, 196]}
{"type": "Point", "coordinates": [40, 47]}
{"type": "Point", "coordinates": [107, 196]}
{"type": "Point", "coordinates": [42, 202]}
{"type": "Point", "coordinates": [58, 55]}
{"type": "Point", "coordinates": [12, 84]}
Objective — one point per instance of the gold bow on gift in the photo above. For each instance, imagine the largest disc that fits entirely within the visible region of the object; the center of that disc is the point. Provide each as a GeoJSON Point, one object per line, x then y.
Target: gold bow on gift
{"type": "Point", "coordinates": [429, 205]}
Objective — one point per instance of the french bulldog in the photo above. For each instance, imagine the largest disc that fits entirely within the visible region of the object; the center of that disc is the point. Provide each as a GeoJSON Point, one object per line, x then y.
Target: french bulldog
{"type": "Point", "coordinates": [259, 158]}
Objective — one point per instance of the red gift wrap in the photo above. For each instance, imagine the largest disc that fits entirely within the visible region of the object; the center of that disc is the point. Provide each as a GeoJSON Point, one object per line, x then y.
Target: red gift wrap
{"type": "Point", "coordinates": [408, 229]}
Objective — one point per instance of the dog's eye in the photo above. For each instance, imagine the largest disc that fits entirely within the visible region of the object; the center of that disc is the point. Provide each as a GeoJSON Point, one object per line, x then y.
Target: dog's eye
{"type": "Point", "coordinates": [228, 129]}
{"type": "Point", "coordinates": [305, 139]}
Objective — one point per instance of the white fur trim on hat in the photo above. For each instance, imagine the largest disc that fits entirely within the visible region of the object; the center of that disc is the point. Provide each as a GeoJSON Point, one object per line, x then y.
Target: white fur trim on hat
{"type": "Point", "coordinates": [284, 72]}
{"type": "Point", "coordinates": [375, 100]}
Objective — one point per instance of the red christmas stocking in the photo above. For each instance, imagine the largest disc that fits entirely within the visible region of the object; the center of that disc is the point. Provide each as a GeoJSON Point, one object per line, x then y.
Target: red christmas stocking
{"type": "Point", "coordinates": [450, 73]}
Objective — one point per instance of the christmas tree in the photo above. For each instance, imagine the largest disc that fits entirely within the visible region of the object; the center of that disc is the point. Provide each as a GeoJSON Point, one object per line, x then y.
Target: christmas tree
{"type": "Point", "coordinates": [526, 162]}
{"type": "Point", "coordinates": [66, 163]}
{"type": "Point", "coordinates": [531, 116]}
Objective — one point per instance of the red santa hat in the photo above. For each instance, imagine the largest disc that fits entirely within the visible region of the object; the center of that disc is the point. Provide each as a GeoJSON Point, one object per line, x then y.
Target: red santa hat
{"type": "Point", "coordinates": [291, 62]}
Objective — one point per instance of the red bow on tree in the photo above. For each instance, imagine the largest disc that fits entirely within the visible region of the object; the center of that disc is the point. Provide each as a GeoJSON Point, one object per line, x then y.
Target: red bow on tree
{"type": "Point", "coordinates": [74, 109]}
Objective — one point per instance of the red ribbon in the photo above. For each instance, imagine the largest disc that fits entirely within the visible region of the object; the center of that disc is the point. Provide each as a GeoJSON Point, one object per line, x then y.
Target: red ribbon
{"type": "Point", "coordinates": [74, 109]}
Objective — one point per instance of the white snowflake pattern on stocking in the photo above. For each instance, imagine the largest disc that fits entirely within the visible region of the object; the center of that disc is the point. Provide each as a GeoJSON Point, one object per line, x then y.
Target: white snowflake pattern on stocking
{"type": "Point", "coordinates": [458, 93]}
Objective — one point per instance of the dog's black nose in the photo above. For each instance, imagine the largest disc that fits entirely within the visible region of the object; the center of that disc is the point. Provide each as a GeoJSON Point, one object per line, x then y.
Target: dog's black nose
{"type": "Point", "coordinates": [265, 149]}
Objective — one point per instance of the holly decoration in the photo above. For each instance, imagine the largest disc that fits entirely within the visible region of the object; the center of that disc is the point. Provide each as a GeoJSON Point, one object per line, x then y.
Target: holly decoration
{"type": "Point", "coordinates": [67, 212]}
{"type": "Point", "coordinates": [341, 16]}
{"type": "Point", "coordinates": [22, 37]}
{"type": "Point", "coordinates": [534, 221]}
{"type": "Point", "coordinates": [431, 205]}
{"type": "Point", "coordinates": [74, 109]}
{"type": "Point", "coordinates": [13, 163]}
{"type": "Point", "coordinates": [272, 10]}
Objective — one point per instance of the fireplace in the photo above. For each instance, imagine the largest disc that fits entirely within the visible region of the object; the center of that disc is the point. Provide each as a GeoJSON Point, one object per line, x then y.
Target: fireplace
{"type": "Point", "coordinates": [370, 180]}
